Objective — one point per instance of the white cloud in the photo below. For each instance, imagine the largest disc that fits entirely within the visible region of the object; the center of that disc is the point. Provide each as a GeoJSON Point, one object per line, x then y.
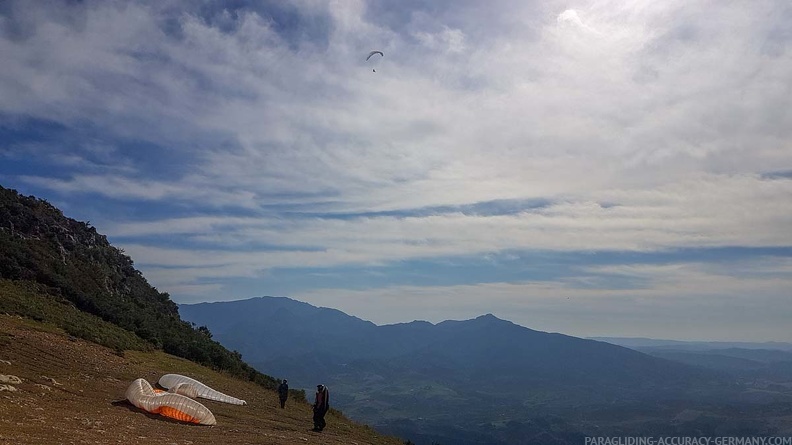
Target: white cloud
{"type": "Point", "coordinates": [715, 211]}
{"type": "Point", "coordinates": [686, 301]}
{"type": "Point", "coordinates": [570, 18]}
{"type": "Point", "coordinates": [517, 118]}
{"type": "Point", "coordinates": [448, 40]}
{"type": "Point", "coordinates": [647, 126]}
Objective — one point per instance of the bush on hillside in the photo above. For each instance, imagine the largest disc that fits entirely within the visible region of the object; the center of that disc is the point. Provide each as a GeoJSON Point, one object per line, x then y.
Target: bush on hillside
{"type": "Point", "coordinates": [78, 265]}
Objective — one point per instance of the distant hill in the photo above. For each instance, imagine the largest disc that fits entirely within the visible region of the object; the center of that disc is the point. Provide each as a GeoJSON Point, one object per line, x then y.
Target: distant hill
{"type": "Point", "coordinates": [748, 361]}
{"type": "Point", "coordinates": [639, 342]}
{"type": "Point", "coordinates": [496, 351]}
{"type": "Point", "coordinates": [484, 380]}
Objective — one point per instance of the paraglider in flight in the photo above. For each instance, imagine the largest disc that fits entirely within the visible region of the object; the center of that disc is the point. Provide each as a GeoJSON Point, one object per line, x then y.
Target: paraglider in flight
{"type": "Point", "coordinates": [176, 406]}
{"type": "Point", "coordinates": [374, 52]}
{"type": "Point", "coordinates": [180, 384]}
{"type": "Point", "coordinates": [371, 54]}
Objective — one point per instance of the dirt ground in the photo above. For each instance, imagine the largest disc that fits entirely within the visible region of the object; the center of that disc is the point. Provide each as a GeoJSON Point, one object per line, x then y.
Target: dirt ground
{"type": "Point", "coordinates": [55, 389]}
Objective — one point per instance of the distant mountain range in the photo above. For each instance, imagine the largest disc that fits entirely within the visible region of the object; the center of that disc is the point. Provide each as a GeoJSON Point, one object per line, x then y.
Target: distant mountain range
{"type": "Point", "coordinates": [484, 380]}
{"type": "Point", "coordinates": [486, 351]}
{"type": "Point", "coordinates": [768, 362]}
{"type": "Point", "coordinates": [638, 342]}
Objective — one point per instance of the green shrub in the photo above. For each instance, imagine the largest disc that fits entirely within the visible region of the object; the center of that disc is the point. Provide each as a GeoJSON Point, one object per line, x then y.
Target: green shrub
{"type": "Point", "coordinates": [76, 268]}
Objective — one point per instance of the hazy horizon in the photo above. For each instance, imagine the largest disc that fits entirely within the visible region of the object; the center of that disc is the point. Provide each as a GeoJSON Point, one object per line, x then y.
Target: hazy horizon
{"type": "Point", "coordinates": [434, 322]}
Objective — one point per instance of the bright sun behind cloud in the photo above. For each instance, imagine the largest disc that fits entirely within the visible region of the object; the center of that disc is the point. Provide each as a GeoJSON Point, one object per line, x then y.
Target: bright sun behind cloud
{"type": "Point", "coordinates": [507, 154]}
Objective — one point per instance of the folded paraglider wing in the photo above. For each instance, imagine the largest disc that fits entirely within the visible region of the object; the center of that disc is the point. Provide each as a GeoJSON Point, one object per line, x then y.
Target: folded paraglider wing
{"type": "Point", "coordinates": [182, 384]}
{"type": "Point", "coordinates": [176, 406]}
{"type": "Point", "coordinates": [185, 389]}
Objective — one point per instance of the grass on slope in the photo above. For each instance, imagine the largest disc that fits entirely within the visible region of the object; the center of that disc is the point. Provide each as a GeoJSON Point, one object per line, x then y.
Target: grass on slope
{"type": "Point", "coordinates": [72, 391]}
{"type": "Point", "coordinates": [36, 301]}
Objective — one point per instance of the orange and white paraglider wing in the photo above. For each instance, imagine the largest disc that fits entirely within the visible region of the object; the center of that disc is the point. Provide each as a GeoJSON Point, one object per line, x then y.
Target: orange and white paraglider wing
{"type": "Point", "coordinates": [203, 391]}
{"type": "Point", "coordinates": [176, 406]}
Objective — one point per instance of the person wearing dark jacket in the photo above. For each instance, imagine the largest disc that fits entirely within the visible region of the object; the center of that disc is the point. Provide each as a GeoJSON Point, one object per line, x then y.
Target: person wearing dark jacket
{"type": "Point", "coordinates": [283, 392]}
{"type": "Point", "coordinates": [320, 407]}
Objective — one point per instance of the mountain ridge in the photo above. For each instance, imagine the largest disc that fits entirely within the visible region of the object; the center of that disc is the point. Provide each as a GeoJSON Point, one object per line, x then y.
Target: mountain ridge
{"type": "Point", "coordinates": [252, 310]}
{"type": "Point", "coordinates": [392, 375]}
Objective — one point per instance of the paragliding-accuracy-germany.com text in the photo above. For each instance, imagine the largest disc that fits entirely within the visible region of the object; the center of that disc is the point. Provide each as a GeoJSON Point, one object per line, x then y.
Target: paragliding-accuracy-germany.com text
{"type": "Point", "coordinates": [687, 440]}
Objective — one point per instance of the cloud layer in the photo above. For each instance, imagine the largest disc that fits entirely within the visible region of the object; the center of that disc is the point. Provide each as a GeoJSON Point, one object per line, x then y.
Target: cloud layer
{"type": "Point", "coordinates": [223, 145]}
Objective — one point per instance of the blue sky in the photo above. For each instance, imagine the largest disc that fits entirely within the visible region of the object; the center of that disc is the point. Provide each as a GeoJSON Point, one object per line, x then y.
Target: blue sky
{"type": "Point", "coordinates": [598, 168]}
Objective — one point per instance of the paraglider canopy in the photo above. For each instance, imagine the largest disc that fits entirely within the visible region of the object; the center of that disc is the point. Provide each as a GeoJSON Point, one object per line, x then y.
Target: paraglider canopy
{"type": "Point", "coordinates": [371, 54]}
{"type": "Point", "coordinates": [374, 52]}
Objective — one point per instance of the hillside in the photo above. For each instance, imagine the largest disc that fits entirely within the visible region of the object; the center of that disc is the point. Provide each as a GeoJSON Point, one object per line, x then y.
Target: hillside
{"type": "Point", "coordinates": [78, 323]}
{"type": "Point", "coordinates": [72, 392]}
{"type": "Point", "coordinates": [75, 265]}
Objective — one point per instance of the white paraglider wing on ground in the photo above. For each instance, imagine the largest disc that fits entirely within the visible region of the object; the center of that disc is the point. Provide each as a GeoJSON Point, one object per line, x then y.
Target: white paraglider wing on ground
{"type": "Point", "coordinates": [169, 381]}
{"type": "Point", "coordinates": [185, 389]}
{"type": "Point", "coordinates": [175, 406]}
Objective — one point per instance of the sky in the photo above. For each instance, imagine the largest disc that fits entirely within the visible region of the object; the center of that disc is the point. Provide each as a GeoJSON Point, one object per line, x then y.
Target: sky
{"type": "Point", "coordinates": [596, 168]}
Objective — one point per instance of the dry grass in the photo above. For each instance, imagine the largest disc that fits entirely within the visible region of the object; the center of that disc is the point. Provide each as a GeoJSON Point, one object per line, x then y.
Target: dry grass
{"type": "Point", "coordinates": [72, 392]}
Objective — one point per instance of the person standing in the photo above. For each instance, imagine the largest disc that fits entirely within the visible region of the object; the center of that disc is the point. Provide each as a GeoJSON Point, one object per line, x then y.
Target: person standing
{"type": "Point", "coordinates": [283, 392]}
{"type": "Point", "coordinates": [320, 407]}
